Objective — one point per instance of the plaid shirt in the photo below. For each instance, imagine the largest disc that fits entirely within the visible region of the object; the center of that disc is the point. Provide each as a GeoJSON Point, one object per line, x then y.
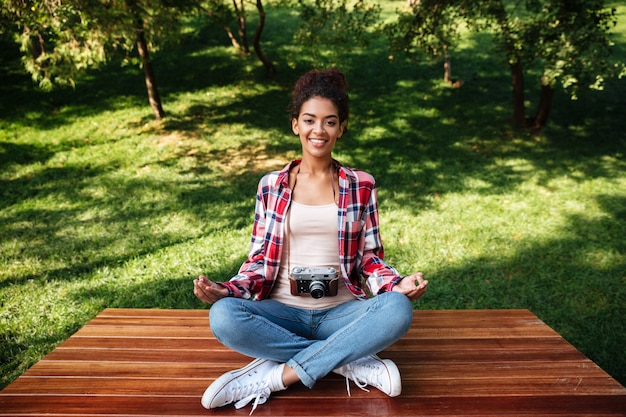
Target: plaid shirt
{"type": "Point", "coordinates": [359, 244]}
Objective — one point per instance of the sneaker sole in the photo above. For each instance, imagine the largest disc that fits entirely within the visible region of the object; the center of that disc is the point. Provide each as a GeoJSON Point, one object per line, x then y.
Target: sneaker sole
{"type": "Point", "coordinates": [209, 396]}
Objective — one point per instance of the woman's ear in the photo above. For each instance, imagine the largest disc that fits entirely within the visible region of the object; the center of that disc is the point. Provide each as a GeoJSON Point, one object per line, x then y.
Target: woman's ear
{"type": "Point", "coordinates": [294, 127]}
{"type": "Point", "coordinates": [342, 129]}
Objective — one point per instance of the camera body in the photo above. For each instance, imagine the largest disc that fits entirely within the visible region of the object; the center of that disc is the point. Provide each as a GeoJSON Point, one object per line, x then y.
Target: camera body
{"type": "Point", "coordinates": [316, 282]}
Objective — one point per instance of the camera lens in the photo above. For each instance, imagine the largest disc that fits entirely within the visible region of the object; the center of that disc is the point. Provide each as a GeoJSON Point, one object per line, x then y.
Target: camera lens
{"type": "Point", "coordinates": [317, 289]}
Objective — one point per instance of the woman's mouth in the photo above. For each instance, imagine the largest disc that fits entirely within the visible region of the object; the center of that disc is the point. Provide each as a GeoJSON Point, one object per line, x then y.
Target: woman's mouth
{"type": "Point", "coordinates": [317, 141]}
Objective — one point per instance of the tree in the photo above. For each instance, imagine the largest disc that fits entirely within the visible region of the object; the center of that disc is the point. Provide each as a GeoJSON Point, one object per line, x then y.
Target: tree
{"type": "Point", "coordinates": [330, 27]}
{"type": "Point", "coordinates": [269, 65]}
{"type": "Point", "coordinates": [60, 38]}
{"type": "Point", "coordinates": [237, 11]}
{"type": "Point", "coordinates": [220, 12]}
{"type": "Point", "coordinates": [569, 41]}
{"type": "Point", "coordinates": [240, 12]}
{"type": "Point", "coordinates": [54, 39]}
{"type": "Point", "coordinates": [146, 63]}
{"type": "Point", "coordinates": [431, 26]}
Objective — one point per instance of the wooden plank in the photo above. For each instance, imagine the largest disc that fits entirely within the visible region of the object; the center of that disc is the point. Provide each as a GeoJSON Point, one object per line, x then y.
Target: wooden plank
{"type": "Point", "coordinates": [224, 363]}
{"type": "Point", "coordinates": [128, 362]}
{"type": "Point", "coordinates": [407, 343]}
{"type": "Point", "coordinates": [150, 321]}
{"type": "Point", "coordinates": [212, 349]}
{"type": "Point", "coordinates": [187, 332]}
{"type": "Point", "coordinates": [172, 332]}
{"type": "Point", "coordinates": [153, 313]}
{"type": "Point", "coordinates": [283, 404]}
{"type": "Point", "coordinates": [331, 385]}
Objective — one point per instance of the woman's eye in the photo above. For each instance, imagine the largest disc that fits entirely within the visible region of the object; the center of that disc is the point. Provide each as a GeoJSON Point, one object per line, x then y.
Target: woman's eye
{"type": "Point", "coordinates": [331, 123]}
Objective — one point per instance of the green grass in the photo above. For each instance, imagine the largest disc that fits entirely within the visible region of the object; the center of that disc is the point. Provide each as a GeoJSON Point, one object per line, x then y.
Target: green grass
{"type": "Point", "coordinates": [103, 207]}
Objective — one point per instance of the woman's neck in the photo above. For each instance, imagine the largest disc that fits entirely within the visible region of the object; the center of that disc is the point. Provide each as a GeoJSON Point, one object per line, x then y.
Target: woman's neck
{"type": "Point", "coordinates": [314, 184]}
{"type": "Point", "coordinates": [315, 166]}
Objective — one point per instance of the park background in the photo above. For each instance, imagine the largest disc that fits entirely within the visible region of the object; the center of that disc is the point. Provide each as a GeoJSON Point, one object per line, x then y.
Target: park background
{"type": "Point", "coordinates": [104, 206]}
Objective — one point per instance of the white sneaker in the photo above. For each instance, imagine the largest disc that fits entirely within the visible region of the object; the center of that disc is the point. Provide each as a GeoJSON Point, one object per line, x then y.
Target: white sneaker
{"type": "Point", "coordinates": [254, 381]}
{"type": "Point", "coordinates": [371, 370]}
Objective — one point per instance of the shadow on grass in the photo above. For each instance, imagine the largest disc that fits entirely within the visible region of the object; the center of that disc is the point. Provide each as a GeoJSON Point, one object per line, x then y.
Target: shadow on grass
{"type": "Point", "coordinates": [21, 154]}
{"type": "Point", "coordinates": [120, 228]}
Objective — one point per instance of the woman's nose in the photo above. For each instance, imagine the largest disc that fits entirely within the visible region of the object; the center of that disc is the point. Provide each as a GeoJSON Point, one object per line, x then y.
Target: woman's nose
{"type": "Point", "coordinates": [318, 127]}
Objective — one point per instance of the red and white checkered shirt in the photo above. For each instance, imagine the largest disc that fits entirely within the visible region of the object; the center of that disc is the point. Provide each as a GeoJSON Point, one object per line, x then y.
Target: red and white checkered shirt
{"type": "Point", "coordinates": [359, 244]}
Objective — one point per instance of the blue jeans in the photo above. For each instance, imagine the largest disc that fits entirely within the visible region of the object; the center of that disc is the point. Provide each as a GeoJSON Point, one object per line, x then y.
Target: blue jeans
{"type": "Point", "coordinates": [311, 342]}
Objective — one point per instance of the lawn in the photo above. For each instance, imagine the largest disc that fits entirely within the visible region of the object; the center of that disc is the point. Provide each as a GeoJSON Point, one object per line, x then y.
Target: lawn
{"type": "Point", "coordinates": [101, 206]}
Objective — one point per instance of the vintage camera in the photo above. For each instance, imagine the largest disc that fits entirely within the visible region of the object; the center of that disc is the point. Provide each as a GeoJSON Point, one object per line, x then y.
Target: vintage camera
{"type": "Point", "coordinates": [318, 282]}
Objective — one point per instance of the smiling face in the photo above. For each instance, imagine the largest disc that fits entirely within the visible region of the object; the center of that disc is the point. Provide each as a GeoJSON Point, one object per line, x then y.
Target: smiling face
{"type": "Point", "coordinates": [318, 126]}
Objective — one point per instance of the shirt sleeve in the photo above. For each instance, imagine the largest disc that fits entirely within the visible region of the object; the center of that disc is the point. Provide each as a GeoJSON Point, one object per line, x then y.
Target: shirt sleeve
{"type": "Point", "coordinates": [379, 276]}
{"type": "Point", "coordinates": [251, 275]}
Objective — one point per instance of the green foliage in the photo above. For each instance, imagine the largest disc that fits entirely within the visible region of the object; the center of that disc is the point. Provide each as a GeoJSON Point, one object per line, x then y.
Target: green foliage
{"type": "Point", "coordinates": [432, 26]}
{"type": "Point", "coordinates": [55, 41]}
{"type": "Point", "coordinates": [220, 10]}
{"type": "Point", "coordinates": [58, 40]}
{"type": "Point", "coordinates": [569, 41]}
{"type": "Point", "coordinates": [331, 28]}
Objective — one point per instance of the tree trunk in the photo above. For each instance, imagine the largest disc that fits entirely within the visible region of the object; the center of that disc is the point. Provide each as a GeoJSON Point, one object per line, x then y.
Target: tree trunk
{"type": "Point", "coordinates": [36, 44]}
{"type": "Point", "coordinates": [545, 105]}
{"type": "Point", "coordinates": [517, 78]}
{"type": "Point", "coordinates": [233, 39]}
{"type": "Point", "coordinates": [447, 70]}
{"type": "Point", "coordinates": [517, 70]}
{"type": "Point", "coordinates": [269, 66]}
{"type": "Point", "coordinates": [229, 32]}
{"type": "Point", "coordinates": [151, 85]}
{"type": "Point", "coordinates": [241, 25]}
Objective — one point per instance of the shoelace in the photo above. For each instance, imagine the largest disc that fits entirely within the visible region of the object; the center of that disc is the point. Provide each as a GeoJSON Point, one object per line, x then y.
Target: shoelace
{"type": "Point", "coordinates": [259, 392]}
{"type": "Point", "coordinates": [351, 375]}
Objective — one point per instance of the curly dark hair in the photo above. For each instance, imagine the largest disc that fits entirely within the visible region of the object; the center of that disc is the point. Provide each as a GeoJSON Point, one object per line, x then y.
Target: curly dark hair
{"type": "Point", "coordinates": [330, 84]}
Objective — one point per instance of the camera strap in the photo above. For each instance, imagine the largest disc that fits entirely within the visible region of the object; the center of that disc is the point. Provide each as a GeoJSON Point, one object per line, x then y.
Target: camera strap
{"type": "Point", "coordinates": [288, 238]}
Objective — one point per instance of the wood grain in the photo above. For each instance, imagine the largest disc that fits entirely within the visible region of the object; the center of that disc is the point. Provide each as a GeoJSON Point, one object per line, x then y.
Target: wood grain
{"type": "Point", "coordinates": [142, 362]}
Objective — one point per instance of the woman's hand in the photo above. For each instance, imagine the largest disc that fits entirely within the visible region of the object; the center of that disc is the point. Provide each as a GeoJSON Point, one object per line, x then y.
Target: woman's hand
{"type": "Point", "coordinates": [208, 291]}
{"type": "Point", "coordinates": [413, 286]}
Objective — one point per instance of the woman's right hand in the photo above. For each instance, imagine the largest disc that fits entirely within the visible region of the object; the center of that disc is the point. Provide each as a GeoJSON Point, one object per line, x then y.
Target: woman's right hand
{"type": "Point", "coordinates": [208, 291]}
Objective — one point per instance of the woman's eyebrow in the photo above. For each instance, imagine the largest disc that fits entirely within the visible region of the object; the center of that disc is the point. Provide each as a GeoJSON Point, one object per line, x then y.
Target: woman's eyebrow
{"type": "Point", "coordinates": [327, 117]}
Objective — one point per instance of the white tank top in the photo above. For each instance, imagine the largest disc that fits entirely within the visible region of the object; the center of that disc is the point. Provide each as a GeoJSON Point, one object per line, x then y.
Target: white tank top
{"type": "Point", "coordinates": [310, 240]}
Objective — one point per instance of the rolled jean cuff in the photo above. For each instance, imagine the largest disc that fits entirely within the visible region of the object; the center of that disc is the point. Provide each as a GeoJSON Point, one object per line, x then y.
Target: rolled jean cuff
{"type": "Point", "coordinates": [304, 377]}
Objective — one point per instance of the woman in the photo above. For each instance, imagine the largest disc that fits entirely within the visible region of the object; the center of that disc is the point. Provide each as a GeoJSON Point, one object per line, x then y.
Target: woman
{"type": "Point", "coordinates": [285, 307]}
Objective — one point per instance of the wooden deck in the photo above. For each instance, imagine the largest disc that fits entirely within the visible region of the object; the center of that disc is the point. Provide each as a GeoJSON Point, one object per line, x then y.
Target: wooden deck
{"type": "Point", "coordinates": [131, 362]}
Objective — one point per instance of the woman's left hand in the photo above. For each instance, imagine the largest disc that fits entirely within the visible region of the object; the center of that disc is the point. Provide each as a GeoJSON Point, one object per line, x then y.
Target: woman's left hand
{"type": "Point", "coordinates": [413, 286]}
